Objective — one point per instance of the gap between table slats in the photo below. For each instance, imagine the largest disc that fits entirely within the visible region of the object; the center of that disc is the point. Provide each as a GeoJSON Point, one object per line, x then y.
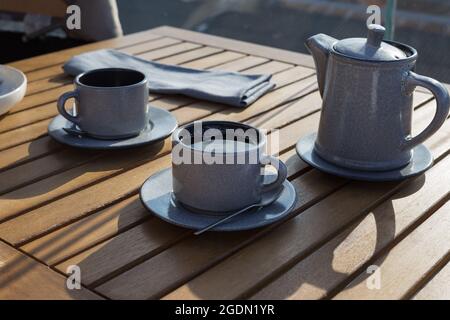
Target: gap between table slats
{"type": "Point", "coordinates": [25, 278]}
{"type": "Point", "coordinates": [437, 288]}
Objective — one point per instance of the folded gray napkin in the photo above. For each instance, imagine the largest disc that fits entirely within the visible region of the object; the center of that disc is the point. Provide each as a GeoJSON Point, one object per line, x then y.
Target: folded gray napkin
{"type": "Point", "coordinates": [238, 90]}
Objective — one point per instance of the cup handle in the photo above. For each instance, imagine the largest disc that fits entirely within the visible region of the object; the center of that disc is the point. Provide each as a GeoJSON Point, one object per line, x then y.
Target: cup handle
{"type": "Point", "coordinates": [61, 106]}
{"type": "Point", "coordinates": [442, 106]}
{"type": "Point", "coordinates": [281, 172]}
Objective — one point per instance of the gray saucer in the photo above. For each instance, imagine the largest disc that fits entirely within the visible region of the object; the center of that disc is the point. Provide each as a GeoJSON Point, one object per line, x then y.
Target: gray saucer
{"type": "Point", "coordinates": [421, 161]}
{"type": "Point", "coordinates": [156, 195]}
{"type": "Point", "coordinates": [162, 124]}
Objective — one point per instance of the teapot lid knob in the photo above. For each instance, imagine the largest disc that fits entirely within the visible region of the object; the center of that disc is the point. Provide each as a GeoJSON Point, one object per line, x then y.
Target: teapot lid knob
{"type": "Point", "coordinates": [375, 35]}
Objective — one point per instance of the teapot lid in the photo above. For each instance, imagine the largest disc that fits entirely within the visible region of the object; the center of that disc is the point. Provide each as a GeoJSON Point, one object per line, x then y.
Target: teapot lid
{"type": "Point", "coordinates": [372, 48]}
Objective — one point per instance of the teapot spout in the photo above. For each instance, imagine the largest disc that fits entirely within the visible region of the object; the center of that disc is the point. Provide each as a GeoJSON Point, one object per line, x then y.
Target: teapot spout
{"type": "Point", "coordinates": [319, 46]}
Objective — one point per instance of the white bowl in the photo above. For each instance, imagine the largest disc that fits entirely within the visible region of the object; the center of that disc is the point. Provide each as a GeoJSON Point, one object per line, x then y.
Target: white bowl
{"type": "Point", "coordinates": [13, 84]}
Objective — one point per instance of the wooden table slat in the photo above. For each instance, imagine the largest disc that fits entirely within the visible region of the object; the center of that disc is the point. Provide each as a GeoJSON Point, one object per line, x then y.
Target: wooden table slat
{"type": "Point", "coordinates": [318, 275]}
{"type": "Point", "coordinates": [22, 119]}
{"type": "Point", "coordinates": [190, 55]}
{"type": "Point", "coordinates": [86, 233]}
{"type": "Point", "coordinates": [170, 51]}
{"type": "Point", "coordinates": [41, 98]}
{"type": "Point", "coordinates": [243, 64]}
{"type": "Point", "coordinates": [143, 241]}
{"type": "Point", "coordinates": [25, 278]}
{"type": "Point", "coordinates": [438, 288]}
{"type": "Point", "coordinates": [50, 59]}
{"type": "Point", "coordinates": [272, 67]}
{"type": "Point", "coordinates": [32, 171]}
{"type": "Point", "coordinates": [60, 78]}
{"type": "Point", "coordinates": [171, 267]}
{"type": "Point", "coordinates": [54, 69]}
{"type": "Point", "coordinates": [144, 48]}
{"type": "Point", "coordinates": [406, 264]}
{"type": "Point", "coordinates": [214, 60]}
{"type": "Point", "coordinates": [25, 134]}
{"type": "Point", "coordinates": [27, 152]}
{"type": "Point", "coordinates": [232, 44]}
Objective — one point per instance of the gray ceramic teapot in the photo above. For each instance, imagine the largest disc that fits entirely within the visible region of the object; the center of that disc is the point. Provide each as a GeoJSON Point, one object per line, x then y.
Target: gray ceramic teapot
{"type": "Point", "coordinates": [366, 86]}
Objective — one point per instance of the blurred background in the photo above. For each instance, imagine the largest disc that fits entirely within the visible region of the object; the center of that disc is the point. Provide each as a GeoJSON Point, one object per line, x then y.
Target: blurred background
{"type": "Point", "coordinates": [33, 27]}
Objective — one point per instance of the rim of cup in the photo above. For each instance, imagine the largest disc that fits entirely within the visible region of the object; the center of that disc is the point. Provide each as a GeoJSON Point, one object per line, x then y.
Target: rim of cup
{"type": "Point", "coordinates": [78, 79]}
{"type": "Point", "coordinates": [225, 124]}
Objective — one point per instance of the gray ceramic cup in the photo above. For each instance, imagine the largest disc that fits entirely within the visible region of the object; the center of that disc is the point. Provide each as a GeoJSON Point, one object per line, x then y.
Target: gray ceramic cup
{"type": "Point", "coordinates": [236, 178]}
{"type": "Point", "coordinates": [110, 103]}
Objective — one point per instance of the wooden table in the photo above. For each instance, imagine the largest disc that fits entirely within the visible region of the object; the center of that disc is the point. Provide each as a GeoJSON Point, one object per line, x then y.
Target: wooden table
{"type": "Point", "coordinates": [61, 207]}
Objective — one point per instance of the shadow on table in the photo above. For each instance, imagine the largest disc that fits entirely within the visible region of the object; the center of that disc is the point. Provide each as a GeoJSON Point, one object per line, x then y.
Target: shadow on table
{"type": "Point", "coordinates": [189, 264]}
{"type": "Point", "coordinates": [26, 279]}
{"type": "Point", "coordinates": [3, 116]}
{"type": "Point", "coordinates": [133, 214]}
{"type": "Point", "coordinates": [18, 268]}
{"type": "Point", "coordinates": [90, 161]}
{"type": "Point", "coordinates": [322, 267]}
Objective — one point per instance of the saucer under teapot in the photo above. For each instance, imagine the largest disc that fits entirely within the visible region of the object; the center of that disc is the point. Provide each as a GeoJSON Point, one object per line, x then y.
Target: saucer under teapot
{"type": "Point", "coordinates": [421, 160]}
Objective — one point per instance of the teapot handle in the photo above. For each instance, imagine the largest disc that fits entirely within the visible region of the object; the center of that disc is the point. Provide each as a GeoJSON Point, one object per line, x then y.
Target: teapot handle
{"type": "Point", "coordinates": [442, 106]}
